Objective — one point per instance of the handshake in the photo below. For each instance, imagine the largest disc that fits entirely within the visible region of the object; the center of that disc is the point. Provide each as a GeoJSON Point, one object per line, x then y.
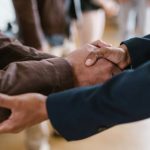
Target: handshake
{"type": "Point", "coordinates": [97, 62]}
{"type": "Point", "coordinates": [92, 64]}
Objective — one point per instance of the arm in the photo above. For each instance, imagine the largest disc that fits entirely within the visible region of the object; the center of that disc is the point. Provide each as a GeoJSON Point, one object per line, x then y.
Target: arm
{"type": "Point", "coordinates": [80, 113]}
{"type": "Point", "coordinates": [24, 69]}
{"type": "Point", "coordinates": [45, 76]}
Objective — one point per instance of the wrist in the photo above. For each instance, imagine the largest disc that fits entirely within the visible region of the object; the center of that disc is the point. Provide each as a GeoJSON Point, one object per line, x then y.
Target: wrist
{"type": "Point", "coordinates": [72, 66]}
{"type": "Point", "coordinates": [43, 110]}
{"type": "Point", "coordinates": [127, 58]}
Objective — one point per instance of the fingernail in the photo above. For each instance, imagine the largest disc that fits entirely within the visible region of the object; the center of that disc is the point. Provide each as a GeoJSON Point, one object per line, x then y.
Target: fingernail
{"type": "Point", "coordinates": [89, 62]}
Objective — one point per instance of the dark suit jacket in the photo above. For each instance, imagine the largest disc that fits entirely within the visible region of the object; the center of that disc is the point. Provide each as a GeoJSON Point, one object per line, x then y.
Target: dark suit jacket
{"type": "Point", "coordinates": [24, 69]}
{"type": "Point", "coordinates": [82, 112]}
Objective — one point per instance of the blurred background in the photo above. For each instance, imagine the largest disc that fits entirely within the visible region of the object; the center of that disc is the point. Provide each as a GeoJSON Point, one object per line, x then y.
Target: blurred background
{"type": "Point", "coordinates": [60, 26]}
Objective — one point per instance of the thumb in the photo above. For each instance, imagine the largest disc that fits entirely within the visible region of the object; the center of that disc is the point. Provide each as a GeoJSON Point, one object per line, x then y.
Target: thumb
{"type": "Point", "coordinates": [91, 59]}
{"type": "Point", "coordinates": [5, 101]}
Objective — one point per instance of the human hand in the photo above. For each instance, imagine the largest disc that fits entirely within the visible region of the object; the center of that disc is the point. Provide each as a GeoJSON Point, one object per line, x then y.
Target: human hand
{"type": "Point", "coordinates": [120, 56]}
{"type": "Point", "coordinates": [101, 71]}
{"type": "Point", "coordinates": [26, 110]}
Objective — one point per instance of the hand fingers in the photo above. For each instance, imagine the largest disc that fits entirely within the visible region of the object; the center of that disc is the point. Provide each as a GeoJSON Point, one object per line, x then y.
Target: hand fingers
{"type": "Point", "coordinates": [94, 55]}
{"type": "Point", "coordinates": [5, 101]}
{"type": "Point", "coordinates": [92, 58]}
{"type": "Point", "coordinates": [100, 43]}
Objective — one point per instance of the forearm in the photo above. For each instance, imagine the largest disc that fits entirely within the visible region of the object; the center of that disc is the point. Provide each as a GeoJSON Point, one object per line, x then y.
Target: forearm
{"type": "Point", "coordinates": [80, 113]}
{"type": "Point", "coordinates": [35, 71]}
{"type": "Point", "coordinates": [45, 77]}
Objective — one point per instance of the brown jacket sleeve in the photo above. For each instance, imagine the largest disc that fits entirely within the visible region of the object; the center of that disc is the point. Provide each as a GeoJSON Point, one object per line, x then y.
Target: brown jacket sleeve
{"type": "Point", "coordinates": [24, 69]}
{"type": "Point", "coordinates": [45, 76]}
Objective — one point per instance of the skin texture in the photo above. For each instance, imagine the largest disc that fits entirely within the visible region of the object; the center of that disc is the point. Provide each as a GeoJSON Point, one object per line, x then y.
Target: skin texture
{"type": "Point", "coordinates": [24, 115]}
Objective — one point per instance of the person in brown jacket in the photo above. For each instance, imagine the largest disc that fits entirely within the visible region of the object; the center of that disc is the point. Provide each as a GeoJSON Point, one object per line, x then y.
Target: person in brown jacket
{"type": "Point", "coordinates": [24, 69]}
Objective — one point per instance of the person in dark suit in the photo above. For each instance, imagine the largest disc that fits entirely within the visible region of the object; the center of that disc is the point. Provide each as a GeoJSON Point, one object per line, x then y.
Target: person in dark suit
{"type": "Point", "coordinates": [82, 112]}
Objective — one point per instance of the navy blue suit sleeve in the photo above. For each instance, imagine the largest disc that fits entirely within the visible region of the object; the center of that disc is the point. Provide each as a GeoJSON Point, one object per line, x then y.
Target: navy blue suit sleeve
{"type": "Point", "coordinates": [80, 113]}
{"type": "Point", "coordinates": [139, 50]}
